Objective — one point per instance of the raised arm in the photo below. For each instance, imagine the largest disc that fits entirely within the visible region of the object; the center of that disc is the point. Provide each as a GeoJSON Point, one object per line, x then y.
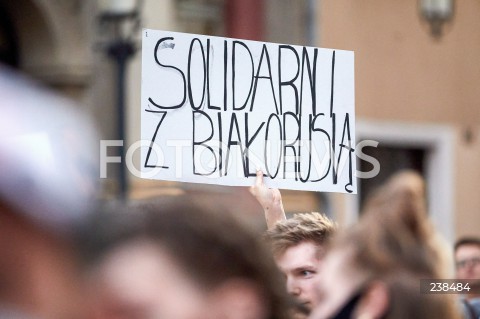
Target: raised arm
{"type": "Point", "coordinates": [270, 199]}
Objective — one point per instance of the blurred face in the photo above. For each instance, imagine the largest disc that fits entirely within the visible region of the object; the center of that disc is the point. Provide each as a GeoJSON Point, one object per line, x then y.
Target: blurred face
{"type": "Point", "coordinates": [140, 280]}
{"type": "Point", "coordinates": [337, 284]}
{"type": "Point", "coordinates": [467, 260]}
{"type": "Point", "coordinates": [300, 265]}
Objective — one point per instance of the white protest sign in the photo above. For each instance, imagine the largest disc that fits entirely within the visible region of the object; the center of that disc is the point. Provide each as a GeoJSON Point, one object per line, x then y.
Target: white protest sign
{"type": "Point", "coordinates": [216, 109]}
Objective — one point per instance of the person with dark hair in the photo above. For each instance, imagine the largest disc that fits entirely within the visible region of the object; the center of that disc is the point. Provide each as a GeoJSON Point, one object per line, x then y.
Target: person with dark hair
{"type": "Point", "coordinates": [467, 267]}
{"type": "Point", "coordinates": [174, 259]}
{"type": "Point", "coordinates": [297, 244]}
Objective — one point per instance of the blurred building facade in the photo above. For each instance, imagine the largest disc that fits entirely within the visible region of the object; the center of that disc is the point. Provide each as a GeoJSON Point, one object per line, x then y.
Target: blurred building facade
{"type": "Point", "coordinates": [416, 95]}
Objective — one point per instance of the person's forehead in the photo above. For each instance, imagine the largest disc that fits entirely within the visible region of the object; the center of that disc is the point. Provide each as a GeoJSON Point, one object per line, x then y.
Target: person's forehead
{"type": "Point", "coordinates": [139, 266]}
{"type": "Point", "coordinates": [301, 255]}
{"type": "Point", "coordinates": [468, 250]}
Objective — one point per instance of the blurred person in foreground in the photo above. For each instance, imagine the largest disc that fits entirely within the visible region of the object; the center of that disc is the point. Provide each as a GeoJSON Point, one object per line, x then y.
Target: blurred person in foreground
{"type": "Point", "coordinates": [373, 270]}
{"type": "Point", "coordinates": [467, 267]}
{"type": "Point", "coordinates": [47, 184]}
{"type": "Point", "coordinates": [297, 244]}
{"type": "Point", "coordinates": [175, 260]}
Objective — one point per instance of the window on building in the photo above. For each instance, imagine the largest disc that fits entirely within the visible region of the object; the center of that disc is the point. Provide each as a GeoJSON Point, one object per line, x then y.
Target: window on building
{"type": "Point", "coordinates": [392, 159]}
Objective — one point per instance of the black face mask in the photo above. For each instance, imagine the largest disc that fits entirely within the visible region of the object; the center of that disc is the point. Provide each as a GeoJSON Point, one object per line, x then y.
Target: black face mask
{"type": "Point", "coordinates": [347, 310]}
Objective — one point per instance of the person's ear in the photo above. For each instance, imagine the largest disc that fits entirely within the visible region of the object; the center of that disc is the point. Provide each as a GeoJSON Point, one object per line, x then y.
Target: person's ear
{"type": "Point", "coordinates": [238, 299]}
{"type": "Point", "coordinates": [374, 303]}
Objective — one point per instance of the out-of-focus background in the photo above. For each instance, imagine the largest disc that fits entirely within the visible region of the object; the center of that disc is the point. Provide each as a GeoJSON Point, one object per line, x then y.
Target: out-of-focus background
{"type": "Point", "coordinates": [417, 65]}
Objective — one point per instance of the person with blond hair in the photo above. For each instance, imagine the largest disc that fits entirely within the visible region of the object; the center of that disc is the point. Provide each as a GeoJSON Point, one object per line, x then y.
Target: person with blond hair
{"type": "Point", "coordinates": [297, 244]}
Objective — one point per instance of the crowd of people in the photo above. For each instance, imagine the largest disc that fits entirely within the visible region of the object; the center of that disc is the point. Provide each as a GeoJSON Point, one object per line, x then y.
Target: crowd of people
{"type": "Point", "coordinates": [63, 255]}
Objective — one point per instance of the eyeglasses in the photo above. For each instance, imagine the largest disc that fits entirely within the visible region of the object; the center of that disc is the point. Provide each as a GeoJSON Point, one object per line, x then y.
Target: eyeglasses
{"type": "Point", "coordinates": [475, 261]}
